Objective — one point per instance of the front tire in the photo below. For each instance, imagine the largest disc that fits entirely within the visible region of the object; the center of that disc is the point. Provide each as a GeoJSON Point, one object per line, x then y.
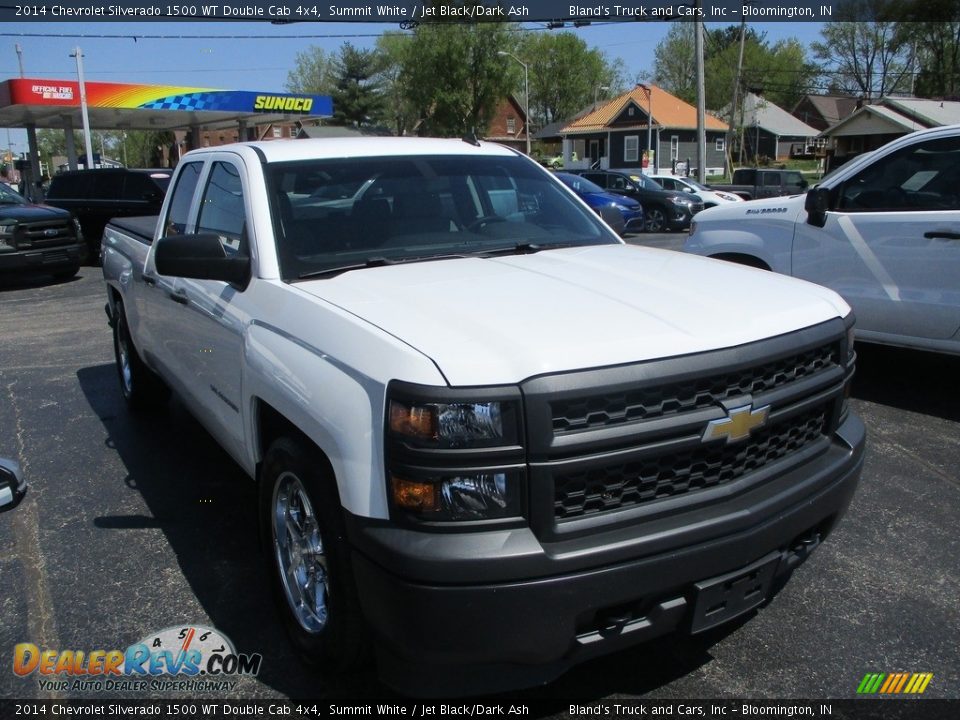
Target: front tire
{"type": "Point", "coordinates": [308, 556]}
{"type": "Point", "coordinates": [140, 387]}
{"type": "Point", "coordinates": [656, 219]}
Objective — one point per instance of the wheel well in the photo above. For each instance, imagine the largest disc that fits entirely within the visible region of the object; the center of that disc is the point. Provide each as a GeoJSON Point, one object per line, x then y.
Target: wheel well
{"type": "Point", "coordinates": [271, 424]}
{"type": "Point", "coordinates": [742, 259]}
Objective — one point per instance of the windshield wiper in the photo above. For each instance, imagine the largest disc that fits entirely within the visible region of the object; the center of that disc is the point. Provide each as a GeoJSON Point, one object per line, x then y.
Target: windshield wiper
{"type": "Point", "coordinates": [379, 262]}
{"type": "Point", "coordinates": [330, 272]}
{"type": "Point", "coordinates": [523, 248]}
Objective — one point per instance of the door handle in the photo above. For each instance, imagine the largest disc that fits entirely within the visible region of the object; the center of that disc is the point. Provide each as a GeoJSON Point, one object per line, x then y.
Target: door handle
{"type": "Point", "coordinates": [150, 280]}
{"type": "Point", "coordinates": [180, 298]}
{"type": "Point", "coordinates": [944, 234]}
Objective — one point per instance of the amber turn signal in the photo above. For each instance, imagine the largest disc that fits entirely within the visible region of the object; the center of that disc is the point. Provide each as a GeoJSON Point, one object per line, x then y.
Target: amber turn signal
{"type": "Point", "coordinates": [416, 496]}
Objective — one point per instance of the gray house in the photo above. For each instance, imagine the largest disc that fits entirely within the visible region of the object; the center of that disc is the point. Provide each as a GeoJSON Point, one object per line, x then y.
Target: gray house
{"type": "Point", "coordinates": [770, 131]}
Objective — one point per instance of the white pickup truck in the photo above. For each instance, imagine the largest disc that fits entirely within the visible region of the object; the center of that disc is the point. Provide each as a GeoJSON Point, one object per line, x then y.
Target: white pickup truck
{"type": "Point", "coordinates": [882, 230]}
{"type": "Point", "coordinates": [491, 440]}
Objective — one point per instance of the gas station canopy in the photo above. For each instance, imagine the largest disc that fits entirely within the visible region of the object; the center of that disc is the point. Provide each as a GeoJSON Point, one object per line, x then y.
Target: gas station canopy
{"type": "Point", "coordinates": [26, 103]}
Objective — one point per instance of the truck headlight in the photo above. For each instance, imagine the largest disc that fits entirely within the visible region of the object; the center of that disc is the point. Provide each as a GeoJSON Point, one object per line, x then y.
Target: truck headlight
{"type": "Point", "coordinates": [454, 455]}
{"type": "Point", "coordinates": [448, 424]}
{"type": "Point", "coordinates": [468, 496]}
{"type": "Point", "coordinates": [850, 363]}
{"type": "Point", "coordinates": [7, 231]}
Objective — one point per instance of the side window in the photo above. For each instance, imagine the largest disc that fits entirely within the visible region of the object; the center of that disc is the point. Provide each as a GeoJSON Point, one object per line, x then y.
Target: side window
{"type": "Point", "coordinates": [771, 179]}
{"type": "Point", "coordinates": [178, 212]}
{"type": "Point", "coordinates": [107, 185]}
{"type": "Point", "coordinates": [138, 186]}
{"type": "Point", "coordinates": [222, 210]}
{"type": "Point", "coordinates": [598, 178]}
{"type": "Point", "coordinates": [924, 176]}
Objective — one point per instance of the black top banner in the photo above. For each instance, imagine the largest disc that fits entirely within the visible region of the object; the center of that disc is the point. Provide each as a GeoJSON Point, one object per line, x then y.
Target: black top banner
{"type": "Point", "coordinates": [428, 11]}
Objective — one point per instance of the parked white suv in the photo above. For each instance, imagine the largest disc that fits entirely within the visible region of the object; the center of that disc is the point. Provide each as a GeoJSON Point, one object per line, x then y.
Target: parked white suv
{"type": "Point", "coordinates": [883, 231]}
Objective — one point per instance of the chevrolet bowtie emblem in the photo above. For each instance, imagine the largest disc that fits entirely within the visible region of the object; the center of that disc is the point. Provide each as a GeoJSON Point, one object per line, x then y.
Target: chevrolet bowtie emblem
{"type": "Point", "coordinates": [738, 424]}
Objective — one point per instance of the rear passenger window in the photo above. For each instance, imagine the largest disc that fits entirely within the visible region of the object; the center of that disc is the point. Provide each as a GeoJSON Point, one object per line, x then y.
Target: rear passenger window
{"type": "Point", "coordinates": [67, 187]}
{"type": "Point", "coordinates": [771, 179]}
{"type": "Point", "coordinates": [222, 211]}
{"type": "Point", "coordinates": [140, 187]}
{"type": "Point", "coordinates": [178, 213]}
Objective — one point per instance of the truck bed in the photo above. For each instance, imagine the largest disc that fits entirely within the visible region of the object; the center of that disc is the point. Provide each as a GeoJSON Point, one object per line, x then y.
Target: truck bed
{"type": "Point", "coordinates": [140, 228]}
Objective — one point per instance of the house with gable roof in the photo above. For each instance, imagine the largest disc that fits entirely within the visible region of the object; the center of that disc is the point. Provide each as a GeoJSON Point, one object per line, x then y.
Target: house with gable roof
{"type": "Point", "coordinates": [614, 134]}
{"type": "Point", "coordinates": [770, 131]}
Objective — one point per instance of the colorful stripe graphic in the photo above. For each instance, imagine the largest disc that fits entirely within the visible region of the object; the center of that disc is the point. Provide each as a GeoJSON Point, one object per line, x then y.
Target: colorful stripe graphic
{"type": "Point", "coordinates": [894, 683]}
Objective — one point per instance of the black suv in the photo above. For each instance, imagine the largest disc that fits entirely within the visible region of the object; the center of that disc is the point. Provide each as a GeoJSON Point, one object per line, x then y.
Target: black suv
{"type": "Point", "coordinates": [95, 196]}
{"type": "Point", "coordinates": [663, 209]}
{"type": "Point", "coordinates": [37, 237]}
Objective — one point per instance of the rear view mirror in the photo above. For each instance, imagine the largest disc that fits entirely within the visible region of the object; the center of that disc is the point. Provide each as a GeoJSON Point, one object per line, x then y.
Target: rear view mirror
{"type": "Point", "coordinates": [816, 204]}
{"type": "Point", "coordinates": [201, 257]}
{"type": "Point", "coordinates": [12, 484]}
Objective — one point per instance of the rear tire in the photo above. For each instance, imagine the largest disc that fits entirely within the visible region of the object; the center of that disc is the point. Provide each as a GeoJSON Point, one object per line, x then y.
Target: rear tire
{"type": "Point", "coordinates": [139, 385]}
{"type": "Point", "coordinates": [308, 557]}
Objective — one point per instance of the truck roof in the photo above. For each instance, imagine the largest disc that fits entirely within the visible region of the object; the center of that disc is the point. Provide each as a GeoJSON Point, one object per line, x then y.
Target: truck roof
{"type": "Point", "coordinates": [321, 148]}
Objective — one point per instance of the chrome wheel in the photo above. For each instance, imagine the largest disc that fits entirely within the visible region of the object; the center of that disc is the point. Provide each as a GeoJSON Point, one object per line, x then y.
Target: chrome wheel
{"type": "Point", "coordinates": [123, 359]}
{"type": "Point", "coordinates": [300, 553]}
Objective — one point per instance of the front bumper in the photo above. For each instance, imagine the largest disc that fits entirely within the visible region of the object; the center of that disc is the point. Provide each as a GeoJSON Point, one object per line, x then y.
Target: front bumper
{"type": "Point", "coordinates": [461, 613]}
{"type": "Point", "coordinates": [44, 260]}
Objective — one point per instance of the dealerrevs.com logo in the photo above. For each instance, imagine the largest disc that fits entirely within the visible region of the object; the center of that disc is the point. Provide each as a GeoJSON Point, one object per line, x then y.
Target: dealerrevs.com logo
{"type": "Point", "coordinates": [178, 659]}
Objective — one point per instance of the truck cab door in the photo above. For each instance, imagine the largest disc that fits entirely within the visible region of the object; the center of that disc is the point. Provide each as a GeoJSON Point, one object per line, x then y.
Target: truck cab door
{"type": "Point", "coordinates": [891, 245]}
{"type": "Point", "coordinates": [158, 303]}
{"type": "Point", "coordinates": [212, 328]}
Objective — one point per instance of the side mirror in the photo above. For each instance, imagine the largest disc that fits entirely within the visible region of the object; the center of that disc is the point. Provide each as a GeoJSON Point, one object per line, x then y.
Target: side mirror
{"type": "Point", "coordinates": [12, 484]}
{"type": "Point", "coordinates": [816, 204]}
{"type": "Point", "coordinates": [201, 257]}
{"type": "Point", "coordinates": [803, 183]}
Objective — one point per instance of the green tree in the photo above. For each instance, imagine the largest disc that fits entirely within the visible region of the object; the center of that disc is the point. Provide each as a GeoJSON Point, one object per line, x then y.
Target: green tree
{"type": "Point", "coordinates": [144, 148]}
{"type": "Point", "coordinates": [674, 64]}
{"type": "Point", "coordinates": [357, 98]}
{"type": "Point", "coordinates": [934, 45]}
{"type": "Point", "coordinates": [865, 52]}
{"type": "Point", "coordinates": [454, 76]}
{"type": "Point", "coordinates": [781, 72]}
{"type": "Point", "coordinates": [314, 72]}
{"type": "Point", "coordinates": [398, 111]}
{"type": "Point", "coordinates": [565, 75]}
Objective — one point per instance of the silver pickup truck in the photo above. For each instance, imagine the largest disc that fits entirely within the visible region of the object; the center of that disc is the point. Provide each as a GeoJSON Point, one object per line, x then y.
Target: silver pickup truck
{"type": "Point", "coordinates": [491, 440]}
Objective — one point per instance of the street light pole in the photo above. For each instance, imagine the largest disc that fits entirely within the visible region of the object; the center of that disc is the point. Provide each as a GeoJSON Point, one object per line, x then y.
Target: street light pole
{"type": "Point", "coordinates": [83, 107]}
{"type": "Point", "coordinates": [526, 95]}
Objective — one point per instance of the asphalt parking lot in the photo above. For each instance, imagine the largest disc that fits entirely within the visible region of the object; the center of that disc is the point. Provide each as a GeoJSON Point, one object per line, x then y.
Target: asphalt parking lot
{"type": "Point", "coordinates": [134, 524]}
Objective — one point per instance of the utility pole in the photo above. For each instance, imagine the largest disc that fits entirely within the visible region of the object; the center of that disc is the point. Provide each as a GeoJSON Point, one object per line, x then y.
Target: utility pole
{"type": "Point", "coordinates": [19, 48]}
{"type": "Point", "coordinates": [731, 131]}
{"type": "Point", "coordinates": [701, 99]}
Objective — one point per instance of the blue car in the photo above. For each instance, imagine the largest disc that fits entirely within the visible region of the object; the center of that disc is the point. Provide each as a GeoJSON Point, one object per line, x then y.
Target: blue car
{"type": "Point", "coordinates": [601, 201]}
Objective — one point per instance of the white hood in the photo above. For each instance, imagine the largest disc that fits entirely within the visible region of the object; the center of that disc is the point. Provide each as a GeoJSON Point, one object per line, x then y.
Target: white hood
{"type": "Point", "coordinates": [502, 320]}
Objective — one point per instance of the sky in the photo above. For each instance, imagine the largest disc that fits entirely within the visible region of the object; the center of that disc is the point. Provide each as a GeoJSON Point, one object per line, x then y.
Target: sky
{"type": "Point", "coordinates": [256, 55]}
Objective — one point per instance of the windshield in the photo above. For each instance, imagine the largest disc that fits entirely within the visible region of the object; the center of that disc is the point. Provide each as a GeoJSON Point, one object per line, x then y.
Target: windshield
{"type": "Point", "coordinates": [9, 197]}
{"type": "Point", "coordinates": [336, 215]}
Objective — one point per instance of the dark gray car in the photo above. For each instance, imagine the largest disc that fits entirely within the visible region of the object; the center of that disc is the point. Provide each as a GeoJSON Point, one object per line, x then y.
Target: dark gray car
{"type": "Point", "coordinates": [664, 210]}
